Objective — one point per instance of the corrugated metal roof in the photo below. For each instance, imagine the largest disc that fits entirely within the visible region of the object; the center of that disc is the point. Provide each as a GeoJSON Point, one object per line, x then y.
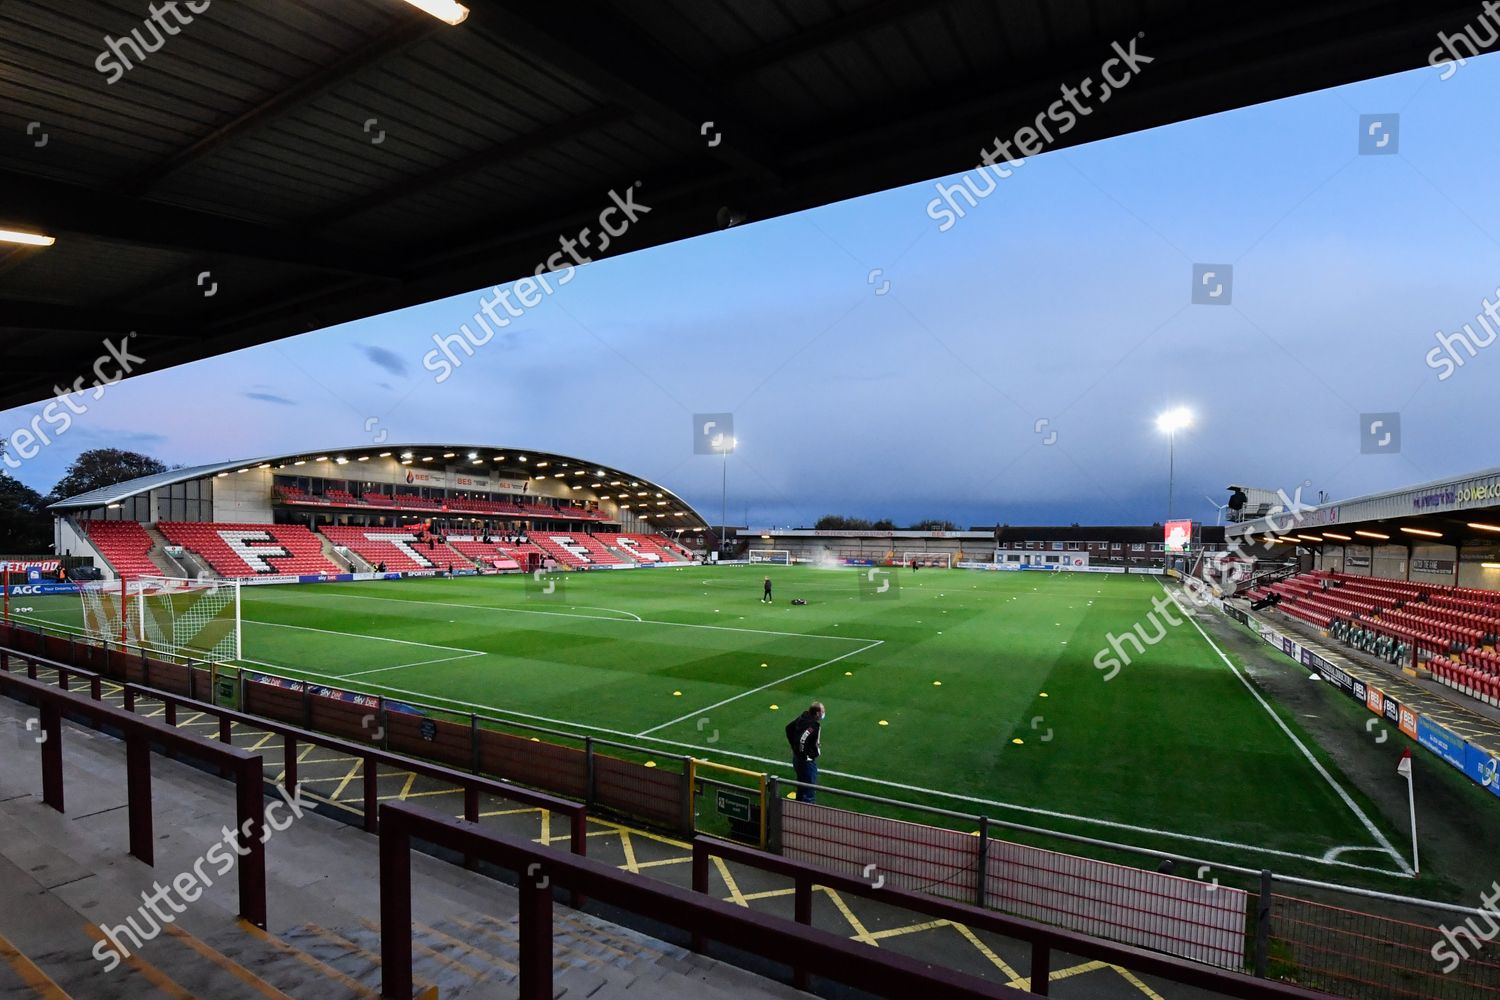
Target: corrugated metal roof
{"type": "Point", "coordinates": [120, 492]}
{"type": "Point", "coordinates": [329, 161]}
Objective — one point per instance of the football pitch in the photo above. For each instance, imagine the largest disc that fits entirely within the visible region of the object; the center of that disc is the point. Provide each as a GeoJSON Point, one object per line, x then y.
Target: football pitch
{"type": "Point", "coordinates": [971, 692]}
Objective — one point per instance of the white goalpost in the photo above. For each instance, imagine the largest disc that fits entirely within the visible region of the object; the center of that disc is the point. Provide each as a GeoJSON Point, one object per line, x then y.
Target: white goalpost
{"type": "Point", "coordinates": [196, 620]}
{"type": "Point", "coordinates": [936, 560]}
{"type": "Point", "coordinates": [781, 557]}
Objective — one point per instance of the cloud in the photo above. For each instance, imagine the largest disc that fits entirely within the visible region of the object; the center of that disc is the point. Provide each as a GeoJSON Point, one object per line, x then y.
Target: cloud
{"type": "Point", "coordinates": [269, 397]}
{"type": "Point", "coordinates": [382, 358]}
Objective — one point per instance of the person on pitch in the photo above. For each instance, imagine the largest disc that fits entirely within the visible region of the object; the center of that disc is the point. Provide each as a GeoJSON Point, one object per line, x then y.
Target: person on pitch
{"type": "Point", "coordinates": [765, 597]}
{"type": "Point", "coordinates": [805, 734]}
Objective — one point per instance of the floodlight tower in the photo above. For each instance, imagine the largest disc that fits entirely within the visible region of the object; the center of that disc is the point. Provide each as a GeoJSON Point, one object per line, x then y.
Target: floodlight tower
{"type": "Point", "coordinates": [725, 448]}
{"type": "Point", "coordinates": [1170, 423]}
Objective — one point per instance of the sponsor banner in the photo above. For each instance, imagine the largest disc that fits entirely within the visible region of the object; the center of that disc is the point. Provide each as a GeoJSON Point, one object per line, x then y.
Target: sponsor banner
{"type": "Point", "coordinates": [22, 565]}
{"type": "Point", "coordinates": [444, 479]}
{"type": "Point", "coordinates": [1433, 567]}
{"type": "Point", "coordinates": [1482, 767]}
{"type": "Point", "coordinates": [1237, 614]}
{"type": "Point", "coordinates": [261, 581]}
{"type": "Point", "coordinates": [1392, 710]}
{"type": "Point", "coordinates": [39, 589]}
{"type": "Point", "coordinates": [1407, 721]}
{"type": "Point", "coordinates": [1327, 670]}
{"type": "Point", "coordinates": [326, 578]}
{"type": "Point", "coordinates": [1352, 561]}
{"type": "Point", "coordinates": [362, 700]}
{"type": "Point", "coordinates": [416, 572]}
{"type": "Point", "coordinates": [1441, 742]}
{"type": "Point", "coordinates": [1147, 570]}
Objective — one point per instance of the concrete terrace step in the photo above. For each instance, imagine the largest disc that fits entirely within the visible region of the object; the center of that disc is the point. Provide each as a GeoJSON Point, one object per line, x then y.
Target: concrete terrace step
{"type": "Point", "coordinates": [63, 875]}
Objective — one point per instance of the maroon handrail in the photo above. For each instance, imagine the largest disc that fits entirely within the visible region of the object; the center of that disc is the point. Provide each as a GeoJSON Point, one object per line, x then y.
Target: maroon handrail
{"type": "Point", "coordinates": [245, 768]}
{"type": "Point", "coordinates": [538, 871]}
{"type": "Point", "coordinates": [1043, 938]}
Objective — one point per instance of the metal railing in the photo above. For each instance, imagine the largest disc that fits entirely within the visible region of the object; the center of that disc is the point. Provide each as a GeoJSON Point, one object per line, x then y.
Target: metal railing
{"type": "Point", "coordinates": [539, 871]}
{"type": "Point", "coordinates": [1044, 939]}
{"type": "Point", "coordinates": [243, 767]}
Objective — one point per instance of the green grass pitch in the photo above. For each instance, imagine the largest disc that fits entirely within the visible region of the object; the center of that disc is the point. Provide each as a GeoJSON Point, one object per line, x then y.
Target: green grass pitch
{"type": "Point", "coordinates": [974, 692]}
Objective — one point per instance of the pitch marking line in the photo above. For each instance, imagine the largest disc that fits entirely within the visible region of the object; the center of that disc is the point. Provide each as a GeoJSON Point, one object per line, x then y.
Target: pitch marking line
{"type": "Point", "coordinates": [1033, 810]}
{"type": "Point", "coordinates": [599, 618]}
{"type": "Point", "coordinates": [746, 694]}
{"type": "Point", "coordinates": [359, 635]}
{"type": "Point", "coordinates": [1369, 826]}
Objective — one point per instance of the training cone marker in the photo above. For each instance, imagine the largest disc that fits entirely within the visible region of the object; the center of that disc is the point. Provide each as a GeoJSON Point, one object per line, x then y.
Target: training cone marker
{"type": "Point", "coordinates": [774, 707]}
{"type": "Point", "coordinates": [676, 694]}
{"type": "Point", "coordinates": [884, 723]}
{"type": "Point", "coordinates": [765, 664]}
{"type": "Point", "coordinates": [1043, 694]}
{"type": "Point", "coordinates": [1018, 741]}
{"type": "Point", "coordinates": [650, 763]}
{"type": "Point", "coordinates": [937, 684]}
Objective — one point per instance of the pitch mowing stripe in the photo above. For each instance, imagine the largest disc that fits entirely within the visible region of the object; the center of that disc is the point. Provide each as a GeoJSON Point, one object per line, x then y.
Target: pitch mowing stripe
{"type": "Point", "coordinates": [597, 618]}
{"type": "Point", "coordinates": [1359, 813]}
{"type": "Point", "coordinates": [422, 696]}
{"type": "Point", "coordinates": [746, 694]}
{"type": "Point", "coordinates": [361, 635]}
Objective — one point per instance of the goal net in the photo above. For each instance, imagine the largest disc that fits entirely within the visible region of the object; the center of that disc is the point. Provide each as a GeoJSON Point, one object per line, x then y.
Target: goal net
{"type": "Point", "coordinates": [942, 560]}
{"type": "Point", "coordinates": [196, 620]}
{"type": "Point", "coordinates": [781, 557]}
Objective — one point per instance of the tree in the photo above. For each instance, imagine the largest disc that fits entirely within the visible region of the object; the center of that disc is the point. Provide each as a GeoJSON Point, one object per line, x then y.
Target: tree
{"type": "Point", "coordinates": [838, 522]}
{"type": "Point", "coordinates": [99, 467]}
{"type": "Point", "coordinates": [25, 525]}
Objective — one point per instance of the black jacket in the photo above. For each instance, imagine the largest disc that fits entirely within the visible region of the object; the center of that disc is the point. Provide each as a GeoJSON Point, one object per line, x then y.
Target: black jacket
{"type": "Point", "coordinates": [805, 734]}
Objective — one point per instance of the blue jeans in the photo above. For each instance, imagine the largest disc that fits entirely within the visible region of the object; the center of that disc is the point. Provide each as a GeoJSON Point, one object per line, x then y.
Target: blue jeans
{"type": "Point", "coordinates": [807, 773]}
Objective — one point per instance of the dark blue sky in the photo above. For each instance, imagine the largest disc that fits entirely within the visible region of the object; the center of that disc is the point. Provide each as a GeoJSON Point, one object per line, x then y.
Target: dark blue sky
{"type": "Point", "coordinates": [1064, 297]}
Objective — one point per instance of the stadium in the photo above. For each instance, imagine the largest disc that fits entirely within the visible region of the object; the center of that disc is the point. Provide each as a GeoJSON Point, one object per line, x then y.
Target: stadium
{"type": "Point", "coordinates": [410, 716]}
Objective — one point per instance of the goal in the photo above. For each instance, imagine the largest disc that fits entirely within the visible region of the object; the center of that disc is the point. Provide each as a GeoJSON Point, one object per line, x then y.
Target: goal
{"type": "Point", "coordinates": [939, 560]}
{"type": "Point", "coordinates": [194, 620]}
{"type": "Point", "coordinates": [781, 557]}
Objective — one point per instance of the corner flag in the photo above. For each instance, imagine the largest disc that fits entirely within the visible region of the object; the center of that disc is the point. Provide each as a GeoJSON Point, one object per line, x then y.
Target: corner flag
{"type": "Point", "coordinates": [1404, 768]}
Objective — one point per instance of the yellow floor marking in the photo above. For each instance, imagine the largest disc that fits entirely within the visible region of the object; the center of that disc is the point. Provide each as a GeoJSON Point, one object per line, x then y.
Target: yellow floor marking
{"type": "Point", "coordinates": [860, 934]}
{"type": "Point", "coordinates": [1130, 978]}
{"type": "Point", "coordinates": [411, 778]}
{"type": "Point", "coordinates": [985, 950]}
{"type": "Point", "coordinates": [354, 769]}
{"type": "Point", "coordinates": [435, 791]}
{"type": "Point", "coordinates": [1024, 982]}
{"type": "Point", "coordinates": [911, 929]}
{"type": "Point", "coordinates": [261, 742]}
{"type": "Point", "coordinates": [326, 971]}
{"type": "Point", "coordinates": [729, 883]}
{"type": "Point", "coordinates": [768, 894]}
{"type": "Point", "coordinates": [166, 984]}
{"type": "Point", "coordinates": [39, 982]}
{"type": "Point", "coordinates": [661, 862]}
{"type": "Point", "coordinates": [629, 849]}
{"type": "Point", "coordinates": [226, 963]}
